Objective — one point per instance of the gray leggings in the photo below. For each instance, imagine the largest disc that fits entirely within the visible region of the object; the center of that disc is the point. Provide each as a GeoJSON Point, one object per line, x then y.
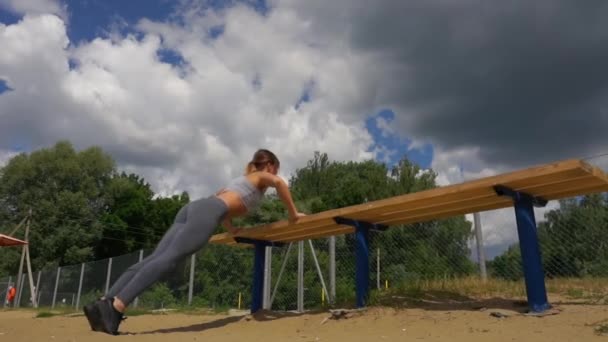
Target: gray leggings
{"type": "Point", "coordinates": [190, 232]}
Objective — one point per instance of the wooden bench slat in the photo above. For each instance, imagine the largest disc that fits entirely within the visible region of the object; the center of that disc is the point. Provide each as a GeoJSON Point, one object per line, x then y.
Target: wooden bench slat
{"type": "Point", "coordinates": [550, 181]}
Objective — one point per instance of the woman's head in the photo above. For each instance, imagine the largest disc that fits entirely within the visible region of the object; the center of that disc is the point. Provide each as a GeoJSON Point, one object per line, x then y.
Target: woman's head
{"type": "Point", "coordinates": [263, 160]}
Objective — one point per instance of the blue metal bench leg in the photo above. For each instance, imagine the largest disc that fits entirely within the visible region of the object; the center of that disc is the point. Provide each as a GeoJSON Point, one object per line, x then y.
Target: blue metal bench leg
{"type": "Point", "coordinates": [362, 230]}
{"type": "Point", "coordinates": [531, 257]}
{"type": "Point", "coordinates": [529, 246]}
{"type": "Point", "coordinates": [257, 288]}
{"type": "Point", "coordinates": [362, 264]}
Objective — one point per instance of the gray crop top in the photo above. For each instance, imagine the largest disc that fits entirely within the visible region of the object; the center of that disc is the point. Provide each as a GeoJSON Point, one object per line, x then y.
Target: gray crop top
{"type": "Point", "coordinates": [250, 195]}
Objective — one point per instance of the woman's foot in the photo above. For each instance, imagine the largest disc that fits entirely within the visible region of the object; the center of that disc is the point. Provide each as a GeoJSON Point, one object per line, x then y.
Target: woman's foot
{"type": "Point", "coordinates": [92, 314]}
{"type": "Point", "coordinates": [109, 317]}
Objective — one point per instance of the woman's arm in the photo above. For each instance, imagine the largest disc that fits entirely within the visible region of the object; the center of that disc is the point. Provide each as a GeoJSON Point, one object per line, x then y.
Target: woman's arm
{"type": "Point", "coordinates": [227, 223]}
{"type": "Point", "coordinates": [268, 179]}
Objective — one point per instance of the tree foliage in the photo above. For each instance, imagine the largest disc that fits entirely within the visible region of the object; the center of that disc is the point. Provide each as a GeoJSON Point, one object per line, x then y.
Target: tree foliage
{"type": "Point", "coordinates": [573, 241]}
{"type": "Point", "coordinates": [84, 209]}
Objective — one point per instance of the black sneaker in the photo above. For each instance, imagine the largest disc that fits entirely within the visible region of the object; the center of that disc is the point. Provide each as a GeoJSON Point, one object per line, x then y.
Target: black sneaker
{"type": "Point", "coordinates": [110, 318]}
{"type": "Point", "coordinates": [92, 314]}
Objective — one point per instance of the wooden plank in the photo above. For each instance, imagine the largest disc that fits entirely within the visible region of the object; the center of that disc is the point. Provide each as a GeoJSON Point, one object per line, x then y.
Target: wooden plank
{"type": "Point", "coordinates": [551, 181]}
{"type": "Point", "coordinates": [520, 185]}
{"type": "Point", "coordinates": [421, 211]}
{"type": "Point", "coordinates": [554, 171]}
{"type": "Point", "coordinates": [440, 211]}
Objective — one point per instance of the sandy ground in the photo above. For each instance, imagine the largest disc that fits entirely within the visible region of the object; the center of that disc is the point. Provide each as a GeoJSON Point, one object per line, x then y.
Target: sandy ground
{"type": "Point", "coordinates": [570, 322]}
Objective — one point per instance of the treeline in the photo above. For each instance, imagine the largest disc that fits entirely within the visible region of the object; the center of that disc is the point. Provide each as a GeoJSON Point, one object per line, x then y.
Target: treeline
{"type": "Point", "coordinates": [84, 209]}
{"type": "Point", "coordinates": [573, 241]}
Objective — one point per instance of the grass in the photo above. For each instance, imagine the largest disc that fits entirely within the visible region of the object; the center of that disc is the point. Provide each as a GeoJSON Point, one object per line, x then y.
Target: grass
{"type": "Point", "coordinates": [586, 290]}
{"type": "Point", "coordinates": [45, 314]}
{"type": "Point", "coordinates": [602, 329]}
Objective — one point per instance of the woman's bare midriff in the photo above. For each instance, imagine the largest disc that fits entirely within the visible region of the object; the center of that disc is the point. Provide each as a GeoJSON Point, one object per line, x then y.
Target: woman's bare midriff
{"type": "Point", "coordinates": [233, 202]}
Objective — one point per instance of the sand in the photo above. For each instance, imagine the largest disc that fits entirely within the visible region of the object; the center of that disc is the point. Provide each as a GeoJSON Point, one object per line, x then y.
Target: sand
{"type": "Point", "coordinates": [569, 322]}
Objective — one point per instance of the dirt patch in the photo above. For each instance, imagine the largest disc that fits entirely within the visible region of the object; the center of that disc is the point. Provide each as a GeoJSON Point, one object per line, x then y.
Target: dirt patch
{"type": "Point", "coordinates": [499, 322]}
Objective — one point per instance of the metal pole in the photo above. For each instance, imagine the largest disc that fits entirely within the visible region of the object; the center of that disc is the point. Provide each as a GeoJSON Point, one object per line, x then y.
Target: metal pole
{"type": "Point", "coordinates": [480, 250]}
{"type": "Point", "coordinates": [29, 275]}
{"type": "Point", "coordinates": [332, 269]}
{"type": "Point", "coordinates": [19, 279]}
{"type": "Point", "coordinates": [314, 257]}
{"type": "Point", "coordinates": [276, 285]}
{"type": "Point", "coordinates": [378, 269]}
{"type": "Point", "coordinates": [38, 288]}
{"type": "Point", "coordinates": [267, 277]}
{"type": "Point", "coordinates": [20, 290]}
{"type": "Point", "coordinates": [38, 281]}
{"type": "Point", "coordinates": [141, 257]}
{"type": "Point", "coordinates": [301, 276]}
{"type": "Point", "coordinates": [108, 275]}
{"type": "Point", "coordinates": [191, 284]}
{"type": "Point", "coordinates": [80, 285]}
{"type": "Point", "coordinates": [56, 286]}
{"type": "Point", "coordinates": [8, 285]}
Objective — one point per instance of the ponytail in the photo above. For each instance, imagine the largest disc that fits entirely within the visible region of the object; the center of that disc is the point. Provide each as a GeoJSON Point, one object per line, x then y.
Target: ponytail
{"type": "Point", "coordinates": [260, 158]}
{"type": "Point", "coordinates": [250, 168]}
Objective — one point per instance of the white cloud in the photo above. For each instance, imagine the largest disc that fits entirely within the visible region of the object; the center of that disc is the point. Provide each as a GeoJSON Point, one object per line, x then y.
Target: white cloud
{"type": "Point", "coordinates": [35, 7]}
{"type": "Point", "coordinates": [5, 156]}
{"type": "Point", "coordinates": [499, 227]}
{"type": "Point", "coordinates": [385, 126]}
{"type": "Point", "coordinates": [188, 127]}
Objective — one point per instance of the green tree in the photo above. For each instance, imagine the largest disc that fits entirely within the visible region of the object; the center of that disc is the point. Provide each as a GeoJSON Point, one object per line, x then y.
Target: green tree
{"type": "Point", "coordinates": [572, 240]}
{"type": "Point", "coordinates": [64, 189]}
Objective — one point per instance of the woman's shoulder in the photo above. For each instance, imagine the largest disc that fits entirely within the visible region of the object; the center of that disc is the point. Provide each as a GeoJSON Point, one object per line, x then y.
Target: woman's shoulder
{"type": "Point", "coordinates": [259, 178]}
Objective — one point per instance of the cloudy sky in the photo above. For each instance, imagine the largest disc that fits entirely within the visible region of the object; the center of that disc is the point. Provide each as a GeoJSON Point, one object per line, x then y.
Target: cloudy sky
{"type": "Point", "coordinates": [183, 92]}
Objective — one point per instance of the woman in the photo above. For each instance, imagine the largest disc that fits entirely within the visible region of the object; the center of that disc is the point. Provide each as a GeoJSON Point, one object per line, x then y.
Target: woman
{"type": "Point", "coordinates": [191, 230]}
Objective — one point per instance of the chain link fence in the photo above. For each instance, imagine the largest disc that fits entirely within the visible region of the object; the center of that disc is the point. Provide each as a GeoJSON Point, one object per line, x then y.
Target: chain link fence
{"type": "Point", "coordinates": [414, 259]}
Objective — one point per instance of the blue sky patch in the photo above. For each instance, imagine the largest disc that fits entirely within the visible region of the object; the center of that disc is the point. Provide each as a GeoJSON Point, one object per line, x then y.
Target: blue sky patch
{"type": "Point", "coordinates": [4, 87]}
{"type": "Point", "coordinates": [386, 136]}
{"type": "Point", "coordinates": [170, 57]}
{"type": "Point", "coordinates": [305, 97]}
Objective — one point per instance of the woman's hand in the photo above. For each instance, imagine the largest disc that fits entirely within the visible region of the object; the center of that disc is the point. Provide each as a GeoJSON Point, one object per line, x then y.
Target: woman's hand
{"type": "Point", "coordinates": [294, 219]}
{"type": "Point", "coordinates": [230, 228]}
{"type": "Point", "coordinates": [233, 231]}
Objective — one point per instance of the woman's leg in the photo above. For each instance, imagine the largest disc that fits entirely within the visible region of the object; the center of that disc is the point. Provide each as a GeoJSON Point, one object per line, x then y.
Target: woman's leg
{"type": "Point", "coordinates": [202, 217]}
{"type": "Point", "coordinates": [163, 244]}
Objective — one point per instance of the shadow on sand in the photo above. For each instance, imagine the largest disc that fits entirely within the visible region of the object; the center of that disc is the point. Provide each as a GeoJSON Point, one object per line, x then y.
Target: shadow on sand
{"type": "Point", "coordinates": [261, 316]}
{"type": "Point", "coordinates": [430, 300]}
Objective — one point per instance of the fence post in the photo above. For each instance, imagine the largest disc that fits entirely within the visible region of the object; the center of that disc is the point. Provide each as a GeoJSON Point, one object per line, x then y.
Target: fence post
{"type": "Point", "coordinates": [267, 277]}
{"type": "Point", "coordinates": [378, 269]}
{"type": "Point", "coordinates": [38, 292]}
{"type": "Point", "coordinates": [276, 284]}
{"type": "Point", "coordinates": [332, 269]}
{"type": "Point", "coordinates": [8, 285]}
{"type": "Point", "coordinates": [108, 275]}
{"type": "Point", "coordinates": [141, 257]}
{"type": "Point", "coordinates": [191, 283]}
{"type": "Point", "coordinates": [20, 290]}
{"type": "Point", "coordinates": [316, 261]}
{"type": "Point", "coordinates": [56, 286]}
{"type": "Point", "coordinates": [481, 257]}
{"type": "Point", "coordinates": [300, 276]}
{"type": "Point", "coordinates": [80, 285]}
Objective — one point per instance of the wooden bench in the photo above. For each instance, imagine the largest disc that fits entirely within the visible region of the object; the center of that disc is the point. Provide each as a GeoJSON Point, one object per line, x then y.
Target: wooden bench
{"type": "Point", "coordinates": [521, 189]}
